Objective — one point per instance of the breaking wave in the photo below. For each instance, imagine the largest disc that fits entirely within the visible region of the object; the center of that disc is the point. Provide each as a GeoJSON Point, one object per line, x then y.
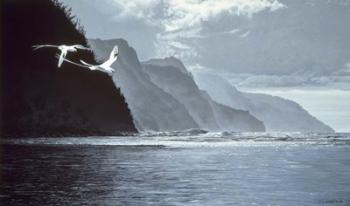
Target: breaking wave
{"type": "Point", "coordinates": [196, 138]}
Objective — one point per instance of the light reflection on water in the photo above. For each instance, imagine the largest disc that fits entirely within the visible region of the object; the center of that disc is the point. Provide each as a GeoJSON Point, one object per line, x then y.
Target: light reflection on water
{"type": "Point", "coordinates": [49, 172]}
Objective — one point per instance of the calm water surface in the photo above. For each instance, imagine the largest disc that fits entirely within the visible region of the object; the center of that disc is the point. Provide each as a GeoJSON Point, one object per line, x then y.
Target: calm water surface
{"type": "Point", "coordinates": [175, 170]}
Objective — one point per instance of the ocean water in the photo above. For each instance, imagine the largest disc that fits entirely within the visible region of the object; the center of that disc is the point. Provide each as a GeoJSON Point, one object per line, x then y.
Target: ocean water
{"type": "Point", "coordinates": [179, 168]}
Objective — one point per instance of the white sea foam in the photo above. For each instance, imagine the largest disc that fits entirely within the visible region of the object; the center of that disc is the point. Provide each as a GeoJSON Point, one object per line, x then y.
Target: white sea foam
{"type": "Point", "coordinates": [196, 138]}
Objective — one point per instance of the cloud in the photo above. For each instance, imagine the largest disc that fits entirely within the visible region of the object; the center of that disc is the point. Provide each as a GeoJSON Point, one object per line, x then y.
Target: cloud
{"type": "Point", "coordinates": [244, 35]}
{"type": "Point", "coordinates": [334, 81]}
{"type": "Point", "coordinates": [179, 14]}
{"type": "Point", "coordinates": [189, 13]}
{"type": "Point", "coordinates": [142, 9]}
{"type": "Point", "coordinates": [185, 17]}
{"type": "Point", "coordinates": [233, 31]}
{"type": "Point", "coordinates": [181, 20]}
{"type": "Point", "coordinates": [304, 78]}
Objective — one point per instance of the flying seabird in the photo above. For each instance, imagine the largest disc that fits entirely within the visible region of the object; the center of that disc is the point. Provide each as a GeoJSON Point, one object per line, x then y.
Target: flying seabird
{"type": "Point", "coordinates": [64, 50]}
{"type": "Point", "coordinates": [104, 67]}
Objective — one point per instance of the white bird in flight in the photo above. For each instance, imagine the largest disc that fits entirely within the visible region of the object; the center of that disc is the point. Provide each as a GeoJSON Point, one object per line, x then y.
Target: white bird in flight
{"type": "Point", "coordinates": [104, 67]}
{"type": "Point", "coordinates": [64, 50]}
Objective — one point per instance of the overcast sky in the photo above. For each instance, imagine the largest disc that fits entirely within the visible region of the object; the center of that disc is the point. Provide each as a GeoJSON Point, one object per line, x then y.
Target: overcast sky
{"type": "Point", "coordinates": [256, 44]}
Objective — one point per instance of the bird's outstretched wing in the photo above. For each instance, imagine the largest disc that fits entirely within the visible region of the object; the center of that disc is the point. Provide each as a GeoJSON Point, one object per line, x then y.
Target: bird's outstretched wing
{"type": "Point", "coordinates": [60, 60]}
{"type": "Point", "coordinates": [35, 47]}
{"type": "Point", "coordinates": [67, 60]}
{"type": "Point", "coordinates": [87, 64]}
{"type": "Point", "coordinates": [107, 70]}
{"type": "Point", "coordinates": [112, 57]}
{"type": "Point", "coordinates": [114, 52]}
{"type": "Point", "coordinates": [78, 46]}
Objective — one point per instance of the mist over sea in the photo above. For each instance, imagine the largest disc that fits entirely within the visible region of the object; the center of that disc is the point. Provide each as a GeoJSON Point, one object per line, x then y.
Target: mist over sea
{"type": "Point", "coordinates": [178, 168]}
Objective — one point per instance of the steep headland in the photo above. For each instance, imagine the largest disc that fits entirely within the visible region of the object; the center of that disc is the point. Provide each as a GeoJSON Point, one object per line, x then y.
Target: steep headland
{"type": "Point", "coordinates": [39, 99]}
{"type": "Point", "coordinates": [152, 107]}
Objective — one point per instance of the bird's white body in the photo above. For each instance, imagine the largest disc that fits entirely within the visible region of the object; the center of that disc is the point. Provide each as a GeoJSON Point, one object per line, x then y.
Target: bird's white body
{"type": "Point", "coordinates": [64, 50]}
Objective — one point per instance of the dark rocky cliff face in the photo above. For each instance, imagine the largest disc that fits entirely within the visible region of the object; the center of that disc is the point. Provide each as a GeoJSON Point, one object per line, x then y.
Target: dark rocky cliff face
{"type": "Point", "coordinates": [39, 99]}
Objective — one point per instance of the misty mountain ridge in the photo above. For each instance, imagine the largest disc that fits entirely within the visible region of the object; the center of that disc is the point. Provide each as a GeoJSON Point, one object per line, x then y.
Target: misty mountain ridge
{"type": "Point", "coordinates": [278, 114]}
{"type": "Point", "coordinates": [196, 92]}
{"type": "Point", "coordinates": [152, 108]}
{"type": "Point", "coordinates": [206, 112]}
{"type": "Point", "coordinates": [168, 62]}
{"type": "Point", "coordinates": [139, 87]}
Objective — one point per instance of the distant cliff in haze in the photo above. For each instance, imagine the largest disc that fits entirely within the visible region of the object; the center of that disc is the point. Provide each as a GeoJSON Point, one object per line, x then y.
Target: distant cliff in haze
{"type": "Point", "coordinates": [171, 75]}
{"type": "Point", "coordinates": [164, 96]}
{"type": "Point", "coordinates": [277, 113]}
{"type": "Point", "coordinates": [39, 99]}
